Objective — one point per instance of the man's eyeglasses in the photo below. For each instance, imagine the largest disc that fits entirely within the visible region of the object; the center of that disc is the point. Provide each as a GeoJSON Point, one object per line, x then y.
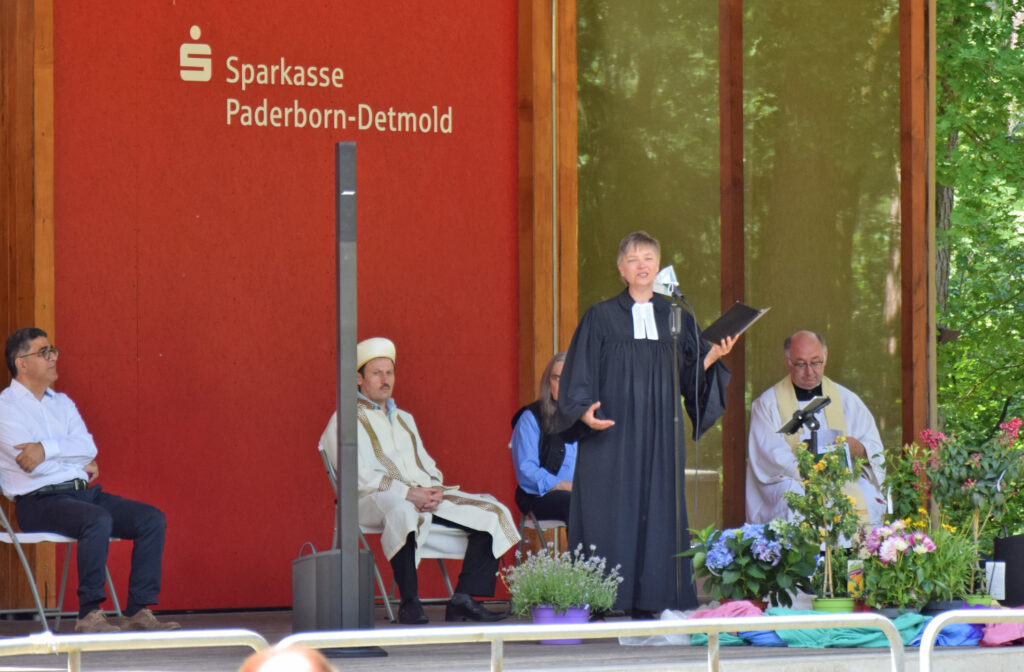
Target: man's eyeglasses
{"type": "Point", "coordinates": [803, 366]}
{"type": "Point", "coordinates": [45, 353]}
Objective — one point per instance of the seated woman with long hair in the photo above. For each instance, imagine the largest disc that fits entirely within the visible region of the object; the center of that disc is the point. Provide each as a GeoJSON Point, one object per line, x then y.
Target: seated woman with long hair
{"type": "Point", "coordinates": [544, 463]}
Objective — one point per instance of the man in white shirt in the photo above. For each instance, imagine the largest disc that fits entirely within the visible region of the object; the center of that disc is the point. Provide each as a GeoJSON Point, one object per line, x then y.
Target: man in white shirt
{"type": "Point", "coordinates": [401, 488]}
{"type": "Point", "coordinates": [47, 462]}
{"type": "Point", "coordinates": [772, 465]}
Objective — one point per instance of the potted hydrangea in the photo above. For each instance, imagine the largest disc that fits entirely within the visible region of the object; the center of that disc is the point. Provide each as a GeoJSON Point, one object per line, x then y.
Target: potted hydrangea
{"type": "Point", "coordinates": [754, 562]}
{"type": "Point", "coordinates": [561, 587]}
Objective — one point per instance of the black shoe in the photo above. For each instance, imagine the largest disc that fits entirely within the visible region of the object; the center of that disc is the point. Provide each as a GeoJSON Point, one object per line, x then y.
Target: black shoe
{"type": "Point", "coordinates": [465, 608]}
{"type": "Point", "coordinates": [411, 613]}
{"type": "Point", "coordinates": [645, 615]}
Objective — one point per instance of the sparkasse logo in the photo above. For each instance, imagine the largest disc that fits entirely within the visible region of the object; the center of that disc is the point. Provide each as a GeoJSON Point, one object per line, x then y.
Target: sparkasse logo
{"type": "Point", "coordinates": [195, 59]}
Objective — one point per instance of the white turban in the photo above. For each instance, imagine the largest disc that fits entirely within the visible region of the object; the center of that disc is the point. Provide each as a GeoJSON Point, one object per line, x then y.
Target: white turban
{"type": "Point", "coordinates": [373, 348]}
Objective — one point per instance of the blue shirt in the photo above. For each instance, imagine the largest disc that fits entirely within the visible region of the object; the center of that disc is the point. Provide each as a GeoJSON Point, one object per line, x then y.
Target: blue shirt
{"type": "Point", "coordinates": [525, 445]}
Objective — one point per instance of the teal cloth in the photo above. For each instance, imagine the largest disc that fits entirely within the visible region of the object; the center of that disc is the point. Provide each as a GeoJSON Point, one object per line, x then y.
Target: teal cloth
{"type": "Point", "coordinates": [819, 638]}
{"type": "Point", "coordinates": [724, 639]}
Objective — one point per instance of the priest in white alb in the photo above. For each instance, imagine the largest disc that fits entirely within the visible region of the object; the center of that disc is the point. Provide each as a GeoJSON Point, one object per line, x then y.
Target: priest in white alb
{"type": "Point", "coordinates": [772, 462]}
{"type": "Point", "coordinates": [401, 489]}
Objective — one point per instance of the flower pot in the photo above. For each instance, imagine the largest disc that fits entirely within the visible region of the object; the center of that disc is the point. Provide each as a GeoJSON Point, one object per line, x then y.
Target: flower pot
{"type": "Point", "coordinates": [974, 600]}
{"type": "Point", "coordinates": [548, 616]}
{"type": "Point", "coordinates": [936, 607]}
{"type": "Point", "coordinates": [833, 605]}
{"type": "Point", "coordinates": [894, 612]}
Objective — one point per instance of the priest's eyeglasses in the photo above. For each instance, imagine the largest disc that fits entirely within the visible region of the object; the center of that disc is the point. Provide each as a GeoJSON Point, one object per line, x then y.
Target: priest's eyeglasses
{"type": "Point", "coordinates": [816, 365]}
{"type": "Point", "coordinates": [45, 353]}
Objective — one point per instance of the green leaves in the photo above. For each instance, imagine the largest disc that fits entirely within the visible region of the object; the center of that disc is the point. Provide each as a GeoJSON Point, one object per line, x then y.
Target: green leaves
{"type": "Point", "coordinates": [980, 158]}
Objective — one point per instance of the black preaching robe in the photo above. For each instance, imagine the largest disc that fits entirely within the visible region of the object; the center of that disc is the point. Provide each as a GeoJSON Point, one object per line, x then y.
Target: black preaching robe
{"type": "Point", "coordinates": [623, 497]}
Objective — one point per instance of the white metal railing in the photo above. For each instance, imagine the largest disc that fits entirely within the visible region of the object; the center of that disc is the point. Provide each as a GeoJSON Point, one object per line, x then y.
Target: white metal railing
{"type": "Point", "coordinates": [497, 635]}
{"type": "Point", "coordinates": [935, 626]}
{"type": "Point", "coordinates": [74, 645]}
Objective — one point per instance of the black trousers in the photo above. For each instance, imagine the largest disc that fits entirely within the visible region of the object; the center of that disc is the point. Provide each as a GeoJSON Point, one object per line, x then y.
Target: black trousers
{"type": "Point", "coordinates": [479, 566]}
{"type": "Point", "coordinates": [552, 505]}
{"type": "Point", "coordinates": [92, 516]}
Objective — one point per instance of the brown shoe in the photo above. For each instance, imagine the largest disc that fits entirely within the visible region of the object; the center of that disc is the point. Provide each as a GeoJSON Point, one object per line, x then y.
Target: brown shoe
{"type": "Point", "coordinates": [145, 620]}
{"type": "Point", "coordinates": [95, 621]}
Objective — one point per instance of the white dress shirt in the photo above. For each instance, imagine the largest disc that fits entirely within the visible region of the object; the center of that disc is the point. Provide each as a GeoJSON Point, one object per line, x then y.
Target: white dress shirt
{"type": "Point", "coordinates": [52, 421]}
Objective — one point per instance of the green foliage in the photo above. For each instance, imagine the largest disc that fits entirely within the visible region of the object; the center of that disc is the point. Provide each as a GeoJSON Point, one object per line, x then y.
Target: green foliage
{"type": "Point", "coordinates": [951, 564]}
{"type": "Point", "coordinates": [906, 480]}
{"type": "Point", "coordinates": [561, 580]}
{"type": "Point", "coordinates": [973, 483]}
{"type": "Point", "coordinates": [980, 173]}
{"type": "Point", "coordinates": [754, 562]}
{"type": "Point", "coordinates": [824, 506]}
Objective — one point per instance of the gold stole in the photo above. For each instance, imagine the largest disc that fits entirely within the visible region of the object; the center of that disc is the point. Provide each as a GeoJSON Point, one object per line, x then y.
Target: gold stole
{"type": "Point", "coordinates": [785, 397]}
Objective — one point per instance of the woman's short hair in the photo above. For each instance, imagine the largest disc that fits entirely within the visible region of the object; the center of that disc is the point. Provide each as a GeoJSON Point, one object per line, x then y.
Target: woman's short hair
{"type": "Point", "coordinates": [634, 239]}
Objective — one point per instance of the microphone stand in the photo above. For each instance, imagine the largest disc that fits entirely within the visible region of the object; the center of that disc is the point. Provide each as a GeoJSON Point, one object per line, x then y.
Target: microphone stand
{"type": "Point", "coordinates": [806, 417]}
{"type": "Point", "coordinates": [675, 326]}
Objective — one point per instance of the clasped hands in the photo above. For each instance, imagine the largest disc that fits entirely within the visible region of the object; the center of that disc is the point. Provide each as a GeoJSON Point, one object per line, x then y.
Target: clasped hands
{"type": "Point", "coordinates": [426, 500]}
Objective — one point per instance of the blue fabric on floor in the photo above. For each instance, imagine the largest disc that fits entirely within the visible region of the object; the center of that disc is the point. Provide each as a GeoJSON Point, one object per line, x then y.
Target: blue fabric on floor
{"type": "Point", "coordinates": [955, 634]}
{"type": "Point", "coordinates": [762, 638]}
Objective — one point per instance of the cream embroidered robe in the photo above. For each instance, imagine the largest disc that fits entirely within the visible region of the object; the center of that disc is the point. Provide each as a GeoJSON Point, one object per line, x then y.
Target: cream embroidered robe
{"type": "Point", "coordinates": [392, 460]}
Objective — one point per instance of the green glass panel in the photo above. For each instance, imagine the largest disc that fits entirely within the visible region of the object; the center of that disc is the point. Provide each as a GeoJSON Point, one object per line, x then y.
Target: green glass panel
{"type": "Point", "coordinates": [648, 153]}
{"type": "Point", "coordinates": [822, 219]}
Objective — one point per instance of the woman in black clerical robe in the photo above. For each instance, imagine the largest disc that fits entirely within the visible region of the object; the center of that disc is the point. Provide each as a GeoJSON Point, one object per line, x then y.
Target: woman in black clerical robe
{"type": "Point", "coordinates": [617, 391]}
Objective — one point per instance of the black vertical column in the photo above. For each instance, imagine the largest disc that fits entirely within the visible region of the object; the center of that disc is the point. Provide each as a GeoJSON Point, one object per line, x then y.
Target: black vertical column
{"type": "Point", "coordinates": [348, 503]}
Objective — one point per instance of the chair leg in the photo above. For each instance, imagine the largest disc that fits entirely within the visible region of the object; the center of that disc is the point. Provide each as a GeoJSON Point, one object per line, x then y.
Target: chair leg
{"type": "Point", "coordinates": [376, 570]}
{"type": "Point", "coordinates": [447, 581]}
{"type": "Point", "coordinates": [31, 581]}
{"type": "Point", "coordinates": [63, 587]}
{"type": "Point", "coordinates": [383, 593]}
{"type": "Point", "coordinates": [113, 593]}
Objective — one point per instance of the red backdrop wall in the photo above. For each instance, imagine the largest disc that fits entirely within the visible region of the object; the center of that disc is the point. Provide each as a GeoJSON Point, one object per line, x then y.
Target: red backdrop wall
{"type": "Point", "coordinates": [195, 259]}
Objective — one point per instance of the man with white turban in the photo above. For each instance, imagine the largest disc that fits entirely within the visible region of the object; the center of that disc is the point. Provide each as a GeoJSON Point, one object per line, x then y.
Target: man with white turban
{"type": "Point", "coordinates": [401, 488]}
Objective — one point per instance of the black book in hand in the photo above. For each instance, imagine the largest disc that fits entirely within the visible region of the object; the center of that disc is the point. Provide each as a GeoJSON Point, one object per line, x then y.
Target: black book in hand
{"type": "Point", "coordinates": [733, 322]}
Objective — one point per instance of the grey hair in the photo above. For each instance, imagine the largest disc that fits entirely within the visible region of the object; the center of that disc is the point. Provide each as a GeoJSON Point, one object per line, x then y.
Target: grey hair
{"type": "Point", "coordinates": [548, 405]}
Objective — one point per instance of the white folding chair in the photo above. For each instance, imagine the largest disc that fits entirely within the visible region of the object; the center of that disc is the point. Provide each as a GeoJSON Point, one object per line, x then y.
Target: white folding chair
{"type": "Point", "coordinates": [16, 539]}
{"type": "Point", "coordinates": [443, 543]}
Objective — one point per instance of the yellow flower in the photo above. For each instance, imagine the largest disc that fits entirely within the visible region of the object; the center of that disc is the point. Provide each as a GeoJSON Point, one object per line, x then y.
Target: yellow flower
{"type": "Point", "coordinates": [948, 528]}
{"type": "Point", "coordinates": [853, 500]}
{"type": "Point", "coordinates": [836, 518]}
{"type": "Point", "coordinates": [820, 466]}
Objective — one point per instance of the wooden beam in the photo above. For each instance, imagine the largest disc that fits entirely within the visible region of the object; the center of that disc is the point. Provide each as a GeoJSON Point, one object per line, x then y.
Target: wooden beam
{"type": "Point", "coordinates": [547, 185]}
{"type": "Point", "coordinates": [733, 278]}
{"type": "Point", "coordinates": [566, 259]}
{"type": "Point", "coordinates": [26, 208]}
{"type": "Point", "coordinates": [914, 206]}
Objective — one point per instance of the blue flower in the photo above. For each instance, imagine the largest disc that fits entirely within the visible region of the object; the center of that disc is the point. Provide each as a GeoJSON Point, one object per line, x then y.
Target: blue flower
{"type": "Point", "coordinates": [719, 556]}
